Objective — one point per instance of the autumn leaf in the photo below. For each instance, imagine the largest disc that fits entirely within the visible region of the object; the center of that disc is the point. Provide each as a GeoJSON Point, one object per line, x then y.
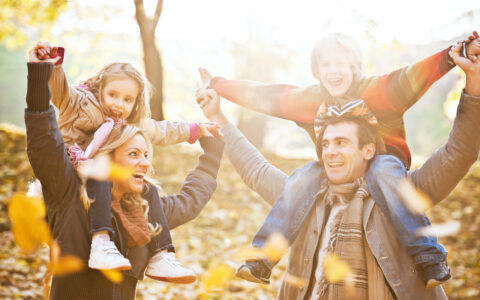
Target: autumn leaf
{"type": "Point", "coordinates": [218, 277]}
{"type": "Point", "coordinates": [113, 275]}
{"type": "Point", "coordinates": [61, 265]}
{"type": "Point", "coordinates": [417, 201]}
{"type": "Point", "coordinates": [294, 280]}
{"type": "Point", "coordinates": [249, 252]}
{"type": "Point", "coordinates": [275, 247]}
{"type": "Point", "coordinates": [335, 269]}
{"type": "Point", "coordinates": [440, 230]}
{"type": "Point", "coordinates": [28, 222]}
{"type": "Point", "coordinates": [120, 172]}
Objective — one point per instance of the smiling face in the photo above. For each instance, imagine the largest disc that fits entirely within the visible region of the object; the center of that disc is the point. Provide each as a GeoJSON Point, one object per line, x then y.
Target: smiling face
{"type": "Point", "coordinates": [343, 158]}
{"type": "Point", "coordinates": [335, 72]}
{"type": "Point", "coordinates": [134, 153]}
{"type": "Point", "coordinates": [119, 95]}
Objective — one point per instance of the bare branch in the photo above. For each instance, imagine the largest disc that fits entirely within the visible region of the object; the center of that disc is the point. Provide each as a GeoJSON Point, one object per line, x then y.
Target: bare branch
{"type": "Point", "coordinates": [158, 12]}
{"type": "Point", "coordinates": [140, 12]}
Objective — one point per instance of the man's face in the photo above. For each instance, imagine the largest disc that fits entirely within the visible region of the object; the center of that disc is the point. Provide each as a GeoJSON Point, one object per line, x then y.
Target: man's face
{"type": "Point", "coordinates": [344, 161]}
{"type": "Point", "coordinates": [335, 72]}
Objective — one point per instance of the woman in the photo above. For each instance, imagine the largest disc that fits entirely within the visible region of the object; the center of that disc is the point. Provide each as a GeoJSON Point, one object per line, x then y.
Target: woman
{"type": "Point", "coordinates": [64, 193]}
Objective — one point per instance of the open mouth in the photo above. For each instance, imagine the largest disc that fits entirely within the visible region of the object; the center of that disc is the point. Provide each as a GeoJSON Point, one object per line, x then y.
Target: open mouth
{"type": "Point", "coordinates": [116, 114]}
{"type": "Point", "coordinates": [337, 81]}
{"type": "Point", "coordinates": [139, 176]}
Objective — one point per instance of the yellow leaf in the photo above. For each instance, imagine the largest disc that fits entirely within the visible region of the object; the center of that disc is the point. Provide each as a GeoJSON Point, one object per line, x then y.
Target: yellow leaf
{"type": "Point", "coordinates": [335, 269]}
{"type": "Point", "coordinates": [276, 247]}
{"type": "Point", "coordinates": [28, 222]}
{"type": "Point", "coordinates": [120, 172]}
{"type": "Point", "coordinates": [294, 280]}
{"type": "Point", "coordinates": [113, 275]}
{"type": "Point", "coordinates": [440, 230]}
{"type": "Point", "coordinates": [248, 252]}
{"type": "Point", "coordinates": [65, 265]}
{"type": "Point", "coordinates": [218, 277]}
{"type": "Point", "coordinates": [417, 201]}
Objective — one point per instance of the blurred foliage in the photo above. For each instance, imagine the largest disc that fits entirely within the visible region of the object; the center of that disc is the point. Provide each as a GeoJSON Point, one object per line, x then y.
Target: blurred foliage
{"type": "Point", "coordinates": [210, 243]}
{"type": "Point", "coordinates": [18, 18]}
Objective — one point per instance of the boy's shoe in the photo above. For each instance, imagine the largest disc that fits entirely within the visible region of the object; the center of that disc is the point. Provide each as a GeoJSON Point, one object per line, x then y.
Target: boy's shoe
{"type": "Point", "coordinates": [106, 256]}
{"type": "Point", "coordinates": [164, 266]}
{"type": "Point", "coordinates": [436, 274]}
{"type": "Point", "coordinates": [255, 271]}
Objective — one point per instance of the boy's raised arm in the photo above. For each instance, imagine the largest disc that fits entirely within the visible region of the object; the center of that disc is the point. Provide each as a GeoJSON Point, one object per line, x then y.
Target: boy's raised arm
{"type": "Point", "coordinates": [279, 100]}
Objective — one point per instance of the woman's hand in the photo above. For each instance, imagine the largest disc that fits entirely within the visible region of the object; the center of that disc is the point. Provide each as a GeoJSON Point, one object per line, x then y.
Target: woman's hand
{"type": "Point", "coordinates": [209, 129]}
{"type": "Point", "coordinates": [471, 69]}
{"type": "Point", "coordinates": [43, 52]}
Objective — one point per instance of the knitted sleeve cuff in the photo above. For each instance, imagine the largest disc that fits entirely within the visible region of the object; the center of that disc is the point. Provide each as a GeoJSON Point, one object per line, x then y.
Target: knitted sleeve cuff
{"type": "Point", "coordinates": [209, 162]}
{"type": "Point", "coordinates": [193, 133]}
{"type": "Point", "coordinates": [38, 92]}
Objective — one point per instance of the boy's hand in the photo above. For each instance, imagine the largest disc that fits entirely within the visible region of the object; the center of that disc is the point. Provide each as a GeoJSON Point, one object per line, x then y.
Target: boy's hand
{"type": "Point", "coordinates": [43, 52]}
{"type": "Point", "coordinates": [209, 102]}
{"type": "Point", "coordinates": [209, 129]}
{"type": "Point", "coordinates": [206, 77]}
{"type": "Point", "coordinates": [473, 46]}
{"type": "Point", "coordinates": [471, 69]}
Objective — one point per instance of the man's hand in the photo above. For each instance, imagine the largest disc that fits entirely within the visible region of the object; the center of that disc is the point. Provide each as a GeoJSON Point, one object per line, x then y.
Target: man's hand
{"type": "Point", "coordinates": [471, 69]}
{"type": "Point", "coordinates": [42, 53]}
{"type": "Point", "coordinates": [209, 129]}
{"type": "Point", "coordinates": [209, 102]}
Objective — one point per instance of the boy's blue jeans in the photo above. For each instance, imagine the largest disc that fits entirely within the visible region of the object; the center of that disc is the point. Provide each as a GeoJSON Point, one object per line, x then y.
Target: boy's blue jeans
{"type": "Point", "coordinates": [384, 174]}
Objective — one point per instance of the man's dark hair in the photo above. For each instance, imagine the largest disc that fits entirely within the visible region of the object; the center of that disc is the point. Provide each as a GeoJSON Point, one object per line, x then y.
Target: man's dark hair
{"type": "Point", "coordinates": [366, 134]}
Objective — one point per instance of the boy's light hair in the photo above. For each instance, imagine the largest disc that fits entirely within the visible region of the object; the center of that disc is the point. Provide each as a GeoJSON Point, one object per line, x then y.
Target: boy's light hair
{"type": "Point", "coordinates": [334, 41]}
{"type": "Point", "coordinates": [95, 84]}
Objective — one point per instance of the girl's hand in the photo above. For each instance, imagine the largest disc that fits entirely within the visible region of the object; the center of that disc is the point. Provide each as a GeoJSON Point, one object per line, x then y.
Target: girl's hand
{"type": "Point", "coordinates": [473, 46]}
{"type": "Point", "coordinates": [42, 53]}
{"type": "Point", "coordinates": [471, 69]}
{"type": "Point", "coordinates": [209, 129]}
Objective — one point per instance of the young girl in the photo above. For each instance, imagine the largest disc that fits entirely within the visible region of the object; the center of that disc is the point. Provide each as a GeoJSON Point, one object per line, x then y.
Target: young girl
{"type": "Point", "coordinates": [118, 92]}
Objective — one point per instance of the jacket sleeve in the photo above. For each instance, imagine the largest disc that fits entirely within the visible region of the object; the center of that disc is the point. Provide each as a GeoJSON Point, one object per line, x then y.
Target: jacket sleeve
{"type": "Point", "coordinates": [257, 173]}
{"type": "Point", "coordinates": [439, 175]}
{"type": "Point", "coordinates": [197, 188]}
{"type": "Point", "coordinates": [64, 97]}
{"type": "Point", "coordinates": [390, 95]}
{"type": "Point", "coordinates": [279, 100]}
{"type": "Point", "coordinates": [48, 157]}
{"type": "Point", "coordinates": [167, 132]}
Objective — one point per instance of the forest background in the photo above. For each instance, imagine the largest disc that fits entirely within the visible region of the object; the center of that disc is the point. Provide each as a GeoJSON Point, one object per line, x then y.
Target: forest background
{"type": "Point", "coordinates": [268, 41]}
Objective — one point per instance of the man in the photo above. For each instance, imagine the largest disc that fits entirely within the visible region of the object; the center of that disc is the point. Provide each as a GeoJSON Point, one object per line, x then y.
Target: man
{"type": "Point", "coordinates": [344, 219]}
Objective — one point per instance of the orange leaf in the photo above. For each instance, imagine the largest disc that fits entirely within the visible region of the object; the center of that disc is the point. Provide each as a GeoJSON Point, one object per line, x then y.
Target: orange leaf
{"type": "Point", "coordinates": [335, 269]}
{"type": "Point", "coordinates": [65, 265]}
{"type": "Point", "coordinates": [276, 247]}
{"type": "Point", "coordinates": [218, 277]}
{"type": "Point", "coordinates": [113, 275]}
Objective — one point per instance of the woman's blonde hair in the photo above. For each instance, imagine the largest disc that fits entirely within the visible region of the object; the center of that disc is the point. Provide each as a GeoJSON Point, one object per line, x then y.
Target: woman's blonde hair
{"type": "Point", "coordinates": [95, 84]}
{"type": "Point", "coordinates": [334, 41]}
{"type": "Point", "coordinates": [121, 134]}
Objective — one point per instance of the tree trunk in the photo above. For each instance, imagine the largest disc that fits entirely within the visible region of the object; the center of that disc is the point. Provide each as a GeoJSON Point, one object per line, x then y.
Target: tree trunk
{"type": "Point", "coordinates": [151, 55]}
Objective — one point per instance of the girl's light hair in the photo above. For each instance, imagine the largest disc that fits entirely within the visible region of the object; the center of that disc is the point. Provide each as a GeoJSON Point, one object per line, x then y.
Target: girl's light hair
{"type": "Point", "coordinates": [95, 84]}
{"type": "Point", "coordinates": [332, 42]}
{"type": "Point", "coordinates": [119, 135]}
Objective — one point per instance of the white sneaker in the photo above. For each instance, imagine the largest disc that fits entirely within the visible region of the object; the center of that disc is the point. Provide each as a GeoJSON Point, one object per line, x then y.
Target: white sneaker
{"type": "Point", "coordinates": [164, 266]}
{"type": "Point", "coordinates": [106, 256]}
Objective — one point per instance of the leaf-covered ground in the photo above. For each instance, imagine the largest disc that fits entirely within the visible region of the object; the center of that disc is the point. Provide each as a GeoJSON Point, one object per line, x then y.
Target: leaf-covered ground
{"type": "Point", "coordinates": [226, 225]}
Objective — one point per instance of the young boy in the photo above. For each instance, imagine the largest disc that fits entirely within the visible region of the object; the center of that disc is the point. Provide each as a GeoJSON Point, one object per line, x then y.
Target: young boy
{"type": "Point", "coordinates": [336, 63]}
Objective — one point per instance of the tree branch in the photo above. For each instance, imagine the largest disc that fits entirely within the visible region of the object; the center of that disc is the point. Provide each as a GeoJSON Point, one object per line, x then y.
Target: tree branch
{"type": "Point", "coordinates": [158, 12]}
{"type": "Point", "coordinates": [140, 13]}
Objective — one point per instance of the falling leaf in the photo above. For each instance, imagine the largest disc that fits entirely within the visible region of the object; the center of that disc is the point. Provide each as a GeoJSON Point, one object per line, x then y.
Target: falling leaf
{"type": "Point", "coordinates": [249, 252]}
{"type": "Point", "coordinates": [218, 277]}
{"type": "Point", "coordinates": [275, 247]}
{"type": "Point", "coordinates": [113, 275]}
{"type": "Point", "coordinates": [66, 264]}
{"type": "Point", "coordinates": [120, 172]}
{"type": "Point", "coordinates": [417, 201]}
{"type": "Point", "coordinates": [294, 280]}
{"type": "Point", "coordinates": [97, 168]}
{"type": "Point", "coordinates": [61, 265]}
{"type": "Point", "coordinates": [335, 269]}
{"type": "Point", "coordinates": [440, 230]}
{"type": "Point", "coordinates": [28, 222]}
